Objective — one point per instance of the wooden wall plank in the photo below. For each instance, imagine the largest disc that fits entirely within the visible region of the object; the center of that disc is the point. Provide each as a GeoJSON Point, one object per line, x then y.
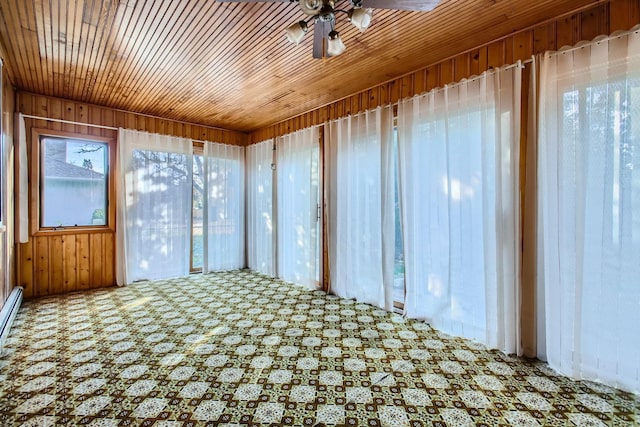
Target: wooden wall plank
{"type": "Point", "coordinates": [69, 264]}
{"type": "Point", "coordinates": [408, 87]}
{"type": "Point", "coordinates": [634, 15]}
{"type": "Point", "coordinates": [83, 254]}
{"type": "Point", "coordinates": [96, 260]}
{"type": "Point", "coordinates": [568, 30]}
{"type": "Point", "coordinates": [57, 264]}
{"type": "Point", "coordinates": [475, 62]}
{"type": "Point", "coordinates": [69, 113]}
{"type": "Point", "coordinates": [55, 108]}
{"type": "Point", "coordinates": [432, 77]}
{"type": "Point", "coordinates": [496, 55]}
{"type": "Point", "coordinates": [544, 38]}
{"type": "Point", "coordinates": [594, 22]}
{"type": "Point", "coordinates": [462, 67]}
{"type": "Point", "coordinates": [446, 73]}
{"type": "Point", "coordinates": [26, 268]}
{"type": "Point", "coordinates": [109, 267]}
{"type": "Point", "coordinates": [619, 13]}
{"type": "Point", "coordinates": [43, 276]}
{"type": "Point", "coordinates": [420, 82]}
{"type": "Point", "coordinates": [523, 45]}
{"type": "Point", "coordinates": [95, 116]}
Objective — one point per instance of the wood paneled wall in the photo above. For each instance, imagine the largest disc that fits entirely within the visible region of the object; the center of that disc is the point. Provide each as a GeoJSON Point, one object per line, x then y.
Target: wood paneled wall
{"type": "Point", "coordinates": [603, 18]}
{"type": "Point", "coordinates": [57, 108]}
{"type": "Point", "coordinates": [58, 263]}
{"type": "Point", "coordinates": [66, 263]}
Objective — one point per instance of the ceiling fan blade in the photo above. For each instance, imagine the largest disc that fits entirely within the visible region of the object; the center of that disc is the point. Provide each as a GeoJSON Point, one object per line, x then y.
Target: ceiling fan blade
{"type": "Point", "coordinates": [320, 32]}
{"type": "Point", "coordinates": [418, 5]}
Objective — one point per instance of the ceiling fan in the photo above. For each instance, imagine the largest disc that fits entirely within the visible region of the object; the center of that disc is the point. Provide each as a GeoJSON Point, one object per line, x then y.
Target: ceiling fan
{"type": "Point", "coordinates": [323, 13]}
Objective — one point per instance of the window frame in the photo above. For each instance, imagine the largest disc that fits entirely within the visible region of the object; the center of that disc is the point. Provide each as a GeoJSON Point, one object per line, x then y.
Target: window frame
{"type": "Point", "coordinates": [198, 150]}
{"type": "Point", "coordinates": [398, 306]}
{"type": "Point", "coordinates": [36, 177]}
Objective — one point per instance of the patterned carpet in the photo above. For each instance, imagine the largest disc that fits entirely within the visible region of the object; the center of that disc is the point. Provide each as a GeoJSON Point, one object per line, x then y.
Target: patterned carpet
{"type": "Point", "coordinates": [240, 348]}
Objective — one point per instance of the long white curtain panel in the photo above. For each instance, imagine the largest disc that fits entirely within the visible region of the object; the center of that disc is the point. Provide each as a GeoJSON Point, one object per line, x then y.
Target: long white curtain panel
{"type": "Point", "coordinates": [260, 212]}
{"type": "Point", "coordinates": [298, 206]}
{"type": "Point", "coordinates": [154, 206]}
{"type": "Point", "coordinates": [223, 207]}
{"type": "Point", "coordinates": [589, 201]}
{"type": "Point", "coordinates": [360, 207]}
{"type": "Point", "coordinates": [459, 180]}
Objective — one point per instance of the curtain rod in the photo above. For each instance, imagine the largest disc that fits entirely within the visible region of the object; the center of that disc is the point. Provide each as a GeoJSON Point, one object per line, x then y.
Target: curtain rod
{"type": "Point", "coordinates": [519, 63]}
{"type": "Point", "coordinates": [635, 29]}
{"type": "Point", "coordinates": [28, 116]}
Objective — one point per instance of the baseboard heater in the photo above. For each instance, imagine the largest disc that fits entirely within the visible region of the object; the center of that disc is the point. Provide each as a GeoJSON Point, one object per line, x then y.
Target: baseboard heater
{"type": "Point", "coordinates": [8, 313]}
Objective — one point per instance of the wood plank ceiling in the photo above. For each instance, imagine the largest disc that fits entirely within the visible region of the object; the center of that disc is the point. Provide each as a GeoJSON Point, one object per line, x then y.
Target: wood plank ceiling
{"type": "Point", "coordinates": [229, 64]}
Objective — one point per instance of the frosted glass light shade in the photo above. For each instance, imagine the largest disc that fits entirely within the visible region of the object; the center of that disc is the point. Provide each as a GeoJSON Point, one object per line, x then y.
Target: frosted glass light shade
{"type": "Point", "coordinates": [296, 32]}
{"type": "Point", "coordinates": [310, 7]}
{"type": "Point", "coordinates": [334, 44]}
{"type": "Point", "coordinates": [361, 18]}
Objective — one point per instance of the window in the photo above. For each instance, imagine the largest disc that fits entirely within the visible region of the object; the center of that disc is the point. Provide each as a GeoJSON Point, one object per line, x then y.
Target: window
{"type": "Point", "coordinates": [398, 259]}
{"type": "Point", "coordinates": [217, 232]}
{"type": "Point", "coordinates": [197, 237]}
{"type": "Point", "coordinates": [74, 182]}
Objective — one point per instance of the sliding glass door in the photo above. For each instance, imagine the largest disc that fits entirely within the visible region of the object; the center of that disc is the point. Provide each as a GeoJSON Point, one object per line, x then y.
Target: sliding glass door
{"type": "Point", "coordinates": [284, 213]}
{"type": "Point", "coordinates": [217, 233]}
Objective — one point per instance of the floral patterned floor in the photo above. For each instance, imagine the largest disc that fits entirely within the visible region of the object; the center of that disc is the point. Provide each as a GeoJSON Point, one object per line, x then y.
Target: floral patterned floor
{"type": "Point", "coordinates": [239, 348]}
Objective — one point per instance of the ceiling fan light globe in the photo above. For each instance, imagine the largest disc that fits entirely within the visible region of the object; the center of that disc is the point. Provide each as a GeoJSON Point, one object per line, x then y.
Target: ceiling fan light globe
{"type": "Point", "coordinates": [335, 46]}
{"type": "Point", "coordinates": [361, 18]}
{"type": "Point", "coordinates": [310, 7]}
{"type": "Point", "coordinates": [296, 32]}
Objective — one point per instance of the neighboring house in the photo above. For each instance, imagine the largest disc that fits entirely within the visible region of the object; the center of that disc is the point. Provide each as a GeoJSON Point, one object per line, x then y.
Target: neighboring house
{"type": "Point", "coordinates": [73, 195]}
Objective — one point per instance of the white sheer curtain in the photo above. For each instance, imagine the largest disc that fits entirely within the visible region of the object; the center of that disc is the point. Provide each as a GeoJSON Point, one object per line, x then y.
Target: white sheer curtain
{"type": "Point", "coordinates": [260, 222]}
{"type": "Point", "coordinates": [22, 231]}
{"type": "Point", "coordinates": [589, 196]}
{"type": "Point", "coordinates": [223, 215]}
{"type": "Point", "coordinates": [154, 206]}
{"type": "Point", "coordinates": [360, 206]}
{"type": "Point", "coordinates": [298, 192]}
{"type": "Point", "coordinates": [459, 156]}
